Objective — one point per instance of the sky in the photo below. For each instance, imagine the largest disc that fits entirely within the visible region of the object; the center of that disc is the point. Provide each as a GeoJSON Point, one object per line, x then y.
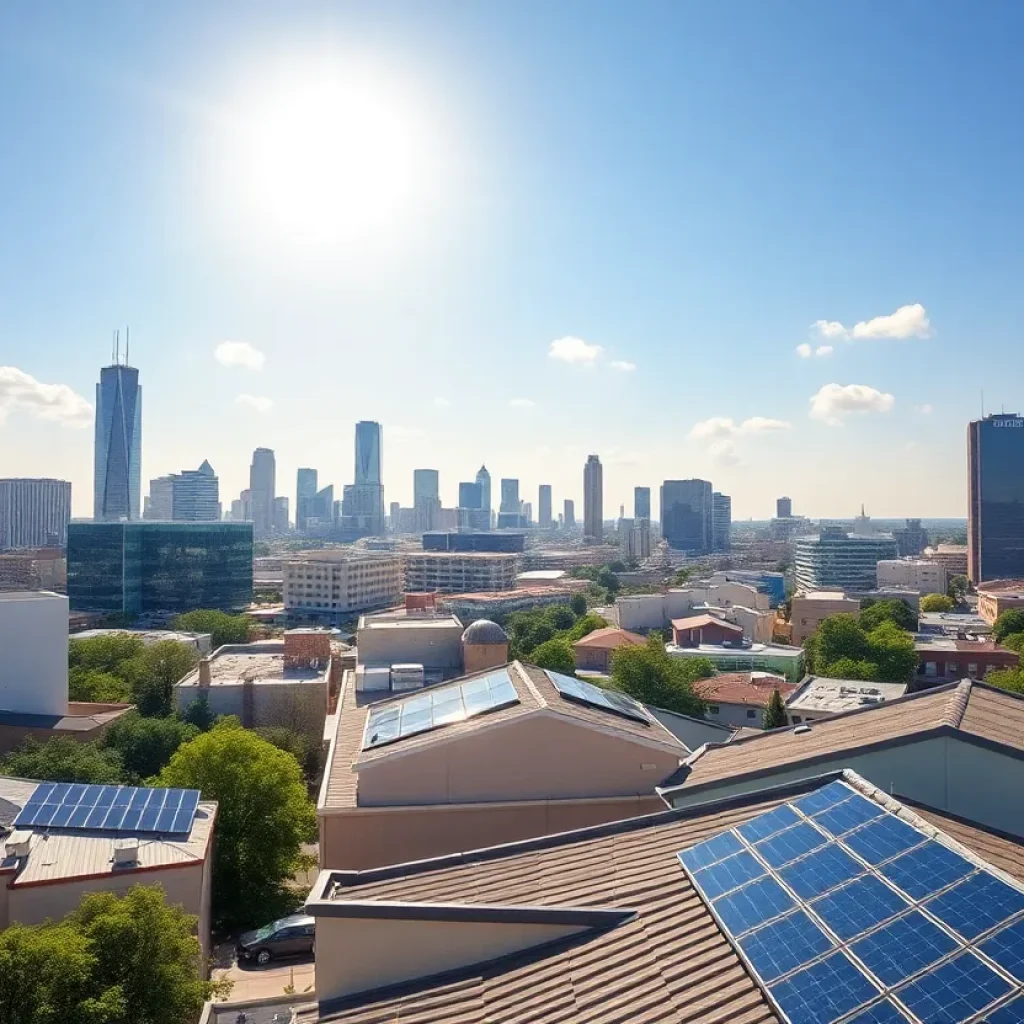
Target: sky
{"type": "Point", "coordinates": [773, 244]}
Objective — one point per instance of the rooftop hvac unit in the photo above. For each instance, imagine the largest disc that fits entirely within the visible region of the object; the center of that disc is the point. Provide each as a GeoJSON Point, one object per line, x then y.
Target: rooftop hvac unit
{"type": "Point", "coordinates": [18, 844]}
{"type": "Point", "coordinates": [373, 679]}
{"type": "Point", "coordinates": [126, 851]}
{"type": "Point", "coordinates": [406, 677]}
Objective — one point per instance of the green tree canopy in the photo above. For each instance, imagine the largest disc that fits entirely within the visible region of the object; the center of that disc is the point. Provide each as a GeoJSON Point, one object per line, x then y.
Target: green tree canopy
{"type": "Point", "coordinates": [224, 628]}
{"type": "Point", "coordinates": [1011, 679]}
{"type": "Point", "coordinates": [199, 714]}
{"type": "Point", "coordinates": [63, 759]}
{"type": "Point", "coordinates": [104, 653]}
{"type": "Point", "coordinates": [937, 603]}
{"type": "Point", "coordinates": [847, 668]}
{"type": "Point", "coordinates": [1009, 622]}
{"type": "Point", "coordinates": [561, 616]}
{"type": "Point", "coordinates": [263, 819]}
{"type": "Point", "coordinates": [649, 675]}
{"type": "Point", "coordinates": [578, 604]}
{"type": "Point", "coordinates": [299, 745]}
{"type": "Point", "coordinates": [843, 649]}
{"type": "Point", "coordinates": [889, 610]}
{"type": "Point", "coordinates": [145, 745]}
{"type": "Point", "coordinates": [95, 687]}
{"type": "Point", "coordinates": [958, 587]}
{"type": "Point", "coordinates": [838, 637]}
{"type": "Point", "coordinates": [159, 668]}
{"type": "Point", "coordinates": [1014, 642]}
{"type": "Point", "coordinates": [774, 712]}
{"type": "Point", "coordinates": [892, 650]}
{"type": "Point", "coordinates": [555, 654]}
{"type": "Point", "coordinates": [584, 626]}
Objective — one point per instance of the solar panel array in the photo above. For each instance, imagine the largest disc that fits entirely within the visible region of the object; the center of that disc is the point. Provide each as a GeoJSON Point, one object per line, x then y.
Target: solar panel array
{"type": "Point", "coordinates": [845, 912]}
{"type": "Point", "coordinates": [73, 805]}
{"type": "Point", "coordinates": [597, 697]}
{"type": "Point", "coordinates": [439, 706]}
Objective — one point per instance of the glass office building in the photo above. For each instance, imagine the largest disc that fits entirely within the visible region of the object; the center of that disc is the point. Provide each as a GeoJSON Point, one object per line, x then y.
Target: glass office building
{"type": "Point", "coordinates": [995, 510]}
{"type": "Point", "coordinates": [117, 470]}
{"type": "Point", "coordinates": [135, 568]}
{"type": "Point", "coordinates": [686, 515]}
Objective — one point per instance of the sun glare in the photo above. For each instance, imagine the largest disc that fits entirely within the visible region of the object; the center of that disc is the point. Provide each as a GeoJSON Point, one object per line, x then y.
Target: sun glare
{"type": "Point", "coordinates": [331, 156]}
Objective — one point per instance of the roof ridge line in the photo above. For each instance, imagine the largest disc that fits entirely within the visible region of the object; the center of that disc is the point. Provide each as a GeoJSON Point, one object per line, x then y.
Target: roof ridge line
{"type": "Point", "coordinates": [960, 700]}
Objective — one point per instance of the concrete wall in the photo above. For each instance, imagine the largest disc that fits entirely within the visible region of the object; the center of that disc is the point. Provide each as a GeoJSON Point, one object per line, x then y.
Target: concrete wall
{"type": "Point", "coordinates": [806, 614]}
{"type": "Point", "coordinates": [432, 646]}
{"type": "Point", "coordinates": [34, 653]}
{"type": "Point", "coordinates": [301, 706]}
{"type": "Point", "coordinates": [734, 715]}
{"type": "Point", "coordinates": [369, 838]}
{"type": "Point", "coordinates": [656, 611]}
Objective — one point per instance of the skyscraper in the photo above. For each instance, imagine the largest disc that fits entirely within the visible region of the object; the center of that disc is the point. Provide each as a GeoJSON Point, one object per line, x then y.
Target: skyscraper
{"type": "Point", "coordinates": [323, 505]}
{"type": "Point", "coordinates": [593, 499]}
{"type": "Point", "coordinates": [995, 506]}
{"type": "Point", "coordinates": [368, 496]}
{"type": "Point", "coordinates": [305, 495]}
{"type": "Point", "coordinates": [544, 507]}
{"type": "Point", "coordinates": [783, 508]}
{"type": "Point", "coordinates": [686, 514]}
{"type": "Point", "coordinates": [117, 467]}
{"type": "Point", "coordinates": [483, 478]}
{"type": "Point", "coordinates": [642, 503]}
{"type": "Point", "coordinates": [34, 513]}
{"type": "Point", "coordinates": [195, 496]}
{"type": "Point", "coordinates": [282, 519]}
{"type": "Point", "coordinates": [509, 497]}
{"type": "Point", "coordinates": [426, 498]}
{"type": "Point", "coordinates": [160, 506]}
{"type": "Point", "coordinates": [263, 488]}
{"type": "Point", "coordinates": [721, 522]}
{"type": "Point", "coordinates": [569, 514]}
{"type": "Point", "coordinates": [470, 496]}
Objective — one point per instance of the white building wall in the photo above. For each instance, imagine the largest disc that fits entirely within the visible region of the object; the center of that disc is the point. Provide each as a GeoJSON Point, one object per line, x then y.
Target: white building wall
{"type": "Point", "coordinates": [922, 575]}
{"type": "Point", "coordinates": [34, 653]}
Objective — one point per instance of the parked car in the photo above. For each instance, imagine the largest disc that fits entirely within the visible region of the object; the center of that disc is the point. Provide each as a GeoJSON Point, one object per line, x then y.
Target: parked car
{"type": "Point", "coordinates": [291, 936]}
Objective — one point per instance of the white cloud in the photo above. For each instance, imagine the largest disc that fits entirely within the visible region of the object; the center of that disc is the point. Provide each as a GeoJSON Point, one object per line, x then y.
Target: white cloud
{"type": "Point", "coordinates": [804, 351]}
{"type": "Point", "coordinates": [574, 350]}
{"type": "Point", "coordinates": [823, 350]}
{"type": "Point", "coordinates": [57, 402]}
{"type": "Point", "coordinates": [723, 453]}
{"type": "Point", "coordinates": [621, 364]}
{"type": "Point", "coordinates": [835, 401]}
{"type": "Point", "coordinates": [907, 322]}
{"type": "Point", "coordinates": [258, 403]}
{"type": "Point", "coordinates": [239, 353]}
{"type": "Point", "coordinates": [924, 410]}
{"type": "Point", "coordinates": [725, 426]}
{"type": "Point", "coordinates": [442, 403]}
{"type": "Point", "coordinates": [522, 403]}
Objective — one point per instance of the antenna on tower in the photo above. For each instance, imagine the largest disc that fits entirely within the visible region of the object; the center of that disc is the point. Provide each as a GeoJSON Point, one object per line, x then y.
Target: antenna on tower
{"type": "Point", "coordinates": [126, 360]}
{"type": "Point", "coordinates": [117, 348]}
{"type": "Point", "coordinates": [113, 348]}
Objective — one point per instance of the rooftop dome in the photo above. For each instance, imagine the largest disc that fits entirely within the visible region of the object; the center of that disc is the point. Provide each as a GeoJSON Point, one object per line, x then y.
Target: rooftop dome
{"type": "Point", "coordinates": [483, 631]}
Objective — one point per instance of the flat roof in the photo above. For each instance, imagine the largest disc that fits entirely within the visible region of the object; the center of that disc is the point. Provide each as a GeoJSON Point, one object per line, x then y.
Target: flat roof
{"type": "Point", "coordinates": [720, 650]}
{"type": "Point", "coordinates": [147, 636]}
{"type": "Point", "coordinates": [80, 717]}
{"type": "Point", "coordinates": [824, 595]}
{"type": "Point", "coordinates": [542, 575]}
{"type": "Point", "coordinates": [232, 666]}
{"type": "Point", "coordinates": [819, 693]}
{"type": "Point", "coordinates": [951, 644]}
{"type": "Point", "coordinates": [472, 556]}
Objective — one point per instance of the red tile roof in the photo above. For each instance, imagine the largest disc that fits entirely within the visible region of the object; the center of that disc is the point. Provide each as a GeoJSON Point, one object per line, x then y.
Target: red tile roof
{"type": "Point", "coordinates": [699, 621]}
{"type": "Point", "coordinates": [609, 639]}
{"type": "Point", "coordinates": [751, 688]}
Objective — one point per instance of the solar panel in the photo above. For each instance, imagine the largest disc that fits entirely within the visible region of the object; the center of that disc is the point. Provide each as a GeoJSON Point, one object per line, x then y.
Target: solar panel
{"type": "Point", "coordinates": [109, 808]}
{"type": "Point", "coordinates": [845, 912]}
{"type": "Point", "coordinates": [437, 707]}
{"type": "Point", "coordinates": [598, 697]}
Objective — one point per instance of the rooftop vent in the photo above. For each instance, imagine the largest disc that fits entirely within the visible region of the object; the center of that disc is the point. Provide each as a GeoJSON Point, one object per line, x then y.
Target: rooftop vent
{"type": "Point", "coordinates": [801, 729]}
{"type": "Point", "coordinates": [126, 851]}
{"type": "Point", "coordinates": [18, 844]}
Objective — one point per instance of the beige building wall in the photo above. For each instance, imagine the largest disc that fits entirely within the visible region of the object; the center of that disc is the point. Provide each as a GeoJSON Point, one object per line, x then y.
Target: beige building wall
{"type": "Point", "coordinates": [338, 581]}
{"type": "Point", "coordinates": [301, 706]}
{"type": "Point", "coordinates": [992, 603]}
{"type": "Point", "coordinates": [480, 657]}
{"type": "Point", "coordinates": [808, 611]}
{"type": "Point", "coordinates": [435, 644]}
{"type": "Point", "coordinates": [923, 575]}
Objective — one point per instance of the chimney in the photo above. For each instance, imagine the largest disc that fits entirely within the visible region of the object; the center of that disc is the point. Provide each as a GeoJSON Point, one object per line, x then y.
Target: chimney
{"type": "Point", "coordinates": [204, 673]}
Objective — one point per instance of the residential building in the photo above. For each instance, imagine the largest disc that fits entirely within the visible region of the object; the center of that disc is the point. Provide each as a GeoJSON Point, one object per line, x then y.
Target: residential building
{"type": "Point", "coordinates": [483, 478]}
{"type": "Point", "coordinates": [686, 515]}
{"type": "Point", "coordinates": [569, 513]}
{"type": "Point", "coordinates": [449, 572]}
{"type": "Point", "coordinates": [783, 508]}
{"type": "Point", "coordinates": [942, 659]}
{"type": "Point", "coordinates": [721, 522]}
{"type": "Point", "coordinates": [160, 501]}
{"type": "Point", "coordinates": [509, 497]}
{"type": "Point", "coordinates": [426, 498]}
{"type": "Point", "coordinates": [778, 659]}
{"type": "Point", "coordinates": [642, 503]}
{"type": "Point", "coordinates": [282, 518]}
{"type": "Point", "coordinates": [911, 539]}
{"type": "Point", "coordinates": [808, 611]}
{"type": "Point", "coordinates": [998, 596]}
{"type": "Point", "coordinates": [694, 630]}
{"type": "Point", "coordinates": [820, 697]}
{"type": "Point", "coordinates": [952, 556]}
{"type": "Point", "coordinates": [195, 495]}
{"type": "Point", "coordinates": [331, 584]}
{"type": "Point", "coordinates": [593, 500]}
{"type": "Point", "coordinates": [305, 497]}
{"type": "Point", "coordinates": [918, 574]}
{"type": "Point", "coordinates": [117, 469]}
{"type": "Point", "coordinates": [471, 496]}
{"type": "Point", "coordinates": [475, 540]}
{"type": "Point", "coordinates": [140, 567]}
{"type": "Point", "coordinates": [368, 490]}
{"type": "Point", "coordinates": [273, 683]}
{"type": "Point", "coordinates": [530, 753]}
{"type": "Point", "coordinates": [995, 498]}
{"type": "Point", "coordinates": [739, 699]}
{"type": "Point", "coordinates": [593, 653]}
{"type": "Point", "coordinates": [34, 513]}
{"type": "Point", "coordinates": [837, 560]}
{"type": "Point", "coordinates": [263, 490]}
{"type": "Point", "coordinates": [544, 519]}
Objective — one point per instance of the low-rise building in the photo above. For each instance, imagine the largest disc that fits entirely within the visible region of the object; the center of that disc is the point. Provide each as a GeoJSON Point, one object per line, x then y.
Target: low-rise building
{"type": "Point", "coordinates": [59, 842]}
{"type": "Point", "coordinates": [998, 596]}
{"type": "Point", "coordinates": [333, 584]}
{"type": "Point", "coordinates": [201, 643]}
{"type": "Point", "coordinates": [943, 659]}
{"type": "Point", "coordinates": [818, 697]}
{"type": "Point", "coordinates": [738, 699]}
{"type": "Point", "coordinates": [923, 575]}
{"type": "Point", "coordinates": [594, 652]}
{"type": "Point", "coordinates": [451, 572]}
{"type": "Point", "coordinates": [953, 557]}
{"type": "Point", "coordinates": [695, 630]}
{"type": "Point", "coordinates": [962, 625]}
{"type": "Point", "coordinates": [499, 603]}
{"type": "Point", "coordinates": [777, 659]}
{"type": "Point", "coordinates": [412, 635]}
{"type": "Point", "coordinates": [283, 683]}
{"type": "Point", "coordinates": [808, 611]}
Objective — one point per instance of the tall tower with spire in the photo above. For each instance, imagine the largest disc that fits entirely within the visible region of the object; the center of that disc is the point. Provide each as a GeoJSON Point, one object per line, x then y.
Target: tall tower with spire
{"type": "Point", "coordinates": [117, 455]}
{"type": "Point", "coordinates": [483, 478]}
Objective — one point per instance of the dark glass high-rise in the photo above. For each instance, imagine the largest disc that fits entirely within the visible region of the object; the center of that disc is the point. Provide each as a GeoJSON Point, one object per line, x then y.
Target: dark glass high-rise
{"type": "Point", "coordinates": [995, 510]}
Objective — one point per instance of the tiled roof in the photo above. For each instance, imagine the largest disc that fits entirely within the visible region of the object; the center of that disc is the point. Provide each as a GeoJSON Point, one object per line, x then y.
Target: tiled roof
{"type": "Point", "coordinates": [609, 638]}
{"type": "Point", "coordinates": [971, 707]}
{"type": "Point", "coordinates": [671, 963]}
{"type": "Point", "coordinates": [699, 621]}
{"type": "Point", "coordinates": [750, 688]}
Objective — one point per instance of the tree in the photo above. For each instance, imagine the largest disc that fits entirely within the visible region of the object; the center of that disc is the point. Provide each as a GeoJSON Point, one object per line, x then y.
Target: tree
{"type": "Point", "coordinates": [95, 687]}
{"type": "Point", "coordinates": [585, 625]}
{"type": "Point", "coordinates": [892, 650]}
{"type": "Point", "coordinates": [263, 819]}
{"type": "Point", "coordinates": [298, 744]}
{"type": "Point", "coordinates": [145, 745]}
{"type": "Point", "coordinates": [146, 950]}
{"type": "Point", "coordinates": [838, 636]}
{"type": "Point", "coordinates": [199, 714]}
{"type": "Point", "coordinates": [555, 654]}
{"type": "Point", "coordinates": [104, 653]}
{"type": "Point", "coordinates": [1009, 622]}
{"type": "Point", "coordinates": [774, 712]}
{"type": "Point", "coordinates": [1014, 642]}
{"type": "Point", "coordinates": [561, 616]}
{"type": "Point", "coordinates": [958, 587]}
{"type": "Point", "coordinates": [578, 604]}
{"type": "Point", "coordinates": [847, 668]}
{"type": "Point", "coordinates": [889, 610]}
{"type": "Point", "coordinates": [224, 628]}
{"type": "Point", "coordinates": [648, 674]}
{"type": "Point", "coordinates": [63, 759]}
{"type": "Point", "coordinates": [1011, 679]}
{"type": "Point", "coordinates": [937, 603]}
{"type": "Point", "coordinates": [160, 667]}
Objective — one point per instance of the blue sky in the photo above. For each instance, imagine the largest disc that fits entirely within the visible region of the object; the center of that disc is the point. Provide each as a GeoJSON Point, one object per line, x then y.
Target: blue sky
{"type": "Point", "coordinates": [686, 188]}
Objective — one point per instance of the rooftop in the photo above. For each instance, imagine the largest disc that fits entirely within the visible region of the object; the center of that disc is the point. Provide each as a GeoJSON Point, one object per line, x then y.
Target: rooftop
{"type": "Point", "coordinates": [1004, 588]}
{"type": "Point", "coordinates": [397, 618]}
{"type": "Point", "coordinates": [542, 575]}
{"type": "Point", "coordinates": [753, 689]}
{"type": "Point", "coordinates": [823, 595]}
{"type": "Point", "coordinates": [609, 639]}
{"type": "Point", "coordinates": [723, 650]}
{"type": "Point", "coordinates": [258, 662]}
{"type": "Point", "coordinates": [949, 643]}
{"type": "Point", "coordinates": [700, 621]}
{"type": "Point", "coordinates": [80, 717]}
{"type": "Point", "coordinates": [829, 696]}
{"type": "Point", "coordinates": [652, 950]}
{"type": "Point", "coordinates": [147, 636]}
